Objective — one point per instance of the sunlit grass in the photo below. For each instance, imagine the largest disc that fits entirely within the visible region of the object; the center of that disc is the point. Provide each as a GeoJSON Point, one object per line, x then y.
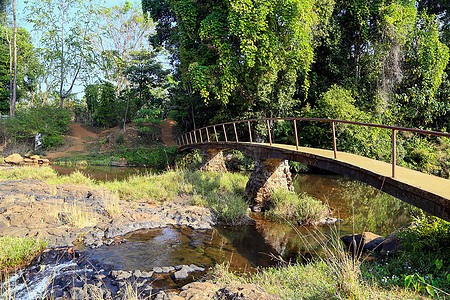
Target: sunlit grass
{"type": "Point", "coordinates": [15, 251]}
{"type": "Point", "coordinates": [76, 177]}
{"type": "Point", "coordinates": [75, 214]}
{"type": "Point", "coordinates": [28, 172]}
{"type": "Point", "coordinates": [300, 209]}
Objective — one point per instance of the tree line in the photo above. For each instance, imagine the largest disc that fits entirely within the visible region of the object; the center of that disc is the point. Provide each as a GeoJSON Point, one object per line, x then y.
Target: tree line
{"type": "Point", "coordinates": [81, 43]}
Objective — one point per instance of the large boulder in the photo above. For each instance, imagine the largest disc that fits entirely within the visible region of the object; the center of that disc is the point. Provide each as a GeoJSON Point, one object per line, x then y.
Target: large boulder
{"type": "Point", "coordinates": [14, 159]}
{"type": "Point", "coordinates": [366, 241]}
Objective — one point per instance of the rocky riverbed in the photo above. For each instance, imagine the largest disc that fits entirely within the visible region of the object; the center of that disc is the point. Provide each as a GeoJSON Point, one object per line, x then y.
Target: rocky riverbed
{"type": "Point", "coordinates": [74, 219]}
{"type": "Point", "coordinates": [66, 214]}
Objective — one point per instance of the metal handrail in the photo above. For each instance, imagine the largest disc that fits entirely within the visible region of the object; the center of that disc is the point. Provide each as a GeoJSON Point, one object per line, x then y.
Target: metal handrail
{"type": "Point", "coordinates": [185, 137]}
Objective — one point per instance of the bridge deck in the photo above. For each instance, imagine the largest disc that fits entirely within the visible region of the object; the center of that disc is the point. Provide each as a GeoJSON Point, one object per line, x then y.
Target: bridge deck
{"type": "Point", "coordinates": [432, 184]}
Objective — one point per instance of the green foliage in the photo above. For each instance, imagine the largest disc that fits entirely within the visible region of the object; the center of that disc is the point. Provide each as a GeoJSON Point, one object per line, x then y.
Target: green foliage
{"type": "Point", "coordinates": [16, 251]}
{"type": "Point", "coordinates": [191, 160]}
{"type": "Point", "coordinates": [236, 56]}
{"type": "Point", "coordinates": [28, 68]}
{"type": "Point", "coordinates": [428, 234]}
{"type": "Point", "coordinates": [50, 121]}
{"type": "Point", "coordinates": [239, 161]}
{"type": "Point", "coordinates": [106, 113]}
{"type": "Point", "coordinates": [300, 209]}
{"type": "Point", "coordinates": [422, 263]}
{"type": "Point", "coordinates": [120, 139]}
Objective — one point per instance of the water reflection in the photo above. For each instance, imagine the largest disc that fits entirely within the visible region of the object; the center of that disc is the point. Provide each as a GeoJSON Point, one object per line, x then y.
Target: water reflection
{"type": "Point", "coordinates": [360, 205]}
{"type": "Point", "coordinates": [243, 248]}
{"type": "Point", "coordinates": [103, 173]}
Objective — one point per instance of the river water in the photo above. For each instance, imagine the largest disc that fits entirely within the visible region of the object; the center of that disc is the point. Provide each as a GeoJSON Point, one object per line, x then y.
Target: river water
{"type": "Point", "coordinates": [245, 248]}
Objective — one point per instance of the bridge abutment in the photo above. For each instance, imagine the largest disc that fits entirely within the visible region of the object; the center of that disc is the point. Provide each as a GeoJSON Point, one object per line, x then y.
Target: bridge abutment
{"type": "Point", "coordinates": [268, 175]}
{"type": "Point", "coordinates": [213, 161]}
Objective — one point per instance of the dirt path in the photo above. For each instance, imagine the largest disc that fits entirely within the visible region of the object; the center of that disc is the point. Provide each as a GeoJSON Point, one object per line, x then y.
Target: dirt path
{"type": "Point", "coordinates": [77, 136]}
{"type": "Point", "coordinates": [166, 129]}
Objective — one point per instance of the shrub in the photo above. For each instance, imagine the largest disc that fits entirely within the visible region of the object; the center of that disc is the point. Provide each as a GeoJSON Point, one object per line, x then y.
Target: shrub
{"type": "Point", "coordinates": [228, 207]}
{"type": "Point", "coordinates": [301, 209]}
{"type": "Point", "coordinates": [120, 139]}
{"type": "Point", "coordinates": [48, 120]}
{"type": "Point", "coordinates": [52, 141]}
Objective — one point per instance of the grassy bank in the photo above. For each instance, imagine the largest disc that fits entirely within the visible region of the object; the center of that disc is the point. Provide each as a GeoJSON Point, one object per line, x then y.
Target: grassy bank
{"type": "Point", "coordinates": [223, 193]}
{"type": "Point", "coordinates": [16, 251]}
{"type": "Point", "coordinates": [420, 270]}
{"type": "Point", "coordinates": [220, 192]}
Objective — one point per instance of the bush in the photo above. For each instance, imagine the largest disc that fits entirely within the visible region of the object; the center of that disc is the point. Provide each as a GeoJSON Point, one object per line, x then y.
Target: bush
{"type": "Point", "coordinates": [120, 139]}
{"type": "Point", "coordinates": [422, 263]}
{"type": "Point", "coordinates": [50, 121]}
{"type": "Point", "coordinates": [228, 207]}
{"type": "Point", "coordinates": [52, 141]}
{"type": "Point", "coordinates": [301, 209]}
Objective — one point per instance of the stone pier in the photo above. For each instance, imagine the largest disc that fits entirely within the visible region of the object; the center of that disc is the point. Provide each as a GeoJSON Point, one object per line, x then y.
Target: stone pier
{"type": "Point", "coordinates": [213, 161]}
{"type": "Point", "coordinates": [268, 175]}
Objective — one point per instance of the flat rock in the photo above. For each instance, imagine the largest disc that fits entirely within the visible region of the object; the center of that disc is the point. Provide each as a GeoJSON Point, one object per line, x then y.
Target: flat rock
{"type": "Point", "coordinates": [244, 292]}
{"type": "Point", "coordinates": [120, 275]}
{"type": "Point", "coordinates": [181, 274]}
{"type": "Point", "coordinates": [199, 291]}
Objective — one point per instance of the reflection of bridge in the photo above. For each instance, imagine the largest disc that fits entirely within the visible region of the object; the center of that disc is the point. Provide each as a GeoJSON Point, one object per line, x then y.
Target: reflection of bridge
{"type": "Point", "coordinates": [428, 192]}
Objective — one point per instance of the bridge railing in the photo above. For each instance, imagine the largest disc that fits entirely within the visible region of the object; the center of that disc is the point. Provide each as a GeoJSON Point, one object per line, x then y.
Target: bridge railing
{"type": "Point", "coordinates": [211, 133]}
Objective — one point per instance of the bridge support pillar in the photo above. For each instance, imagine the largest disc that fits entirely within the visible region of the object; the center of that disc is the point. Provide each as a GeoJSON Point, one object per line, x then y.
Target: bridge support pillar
{"type": "Point", "coordinates": [213, 161]}
{"type": "Point", "coordinates": [268, 175]}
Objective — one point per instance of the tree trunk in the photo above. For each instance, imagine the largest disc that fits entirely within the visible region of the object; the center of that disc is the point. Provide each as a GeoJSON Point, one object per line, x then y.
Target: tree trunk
{"type": "Point", "coordinates": [12, 107]}
{"type": "Point", "coordinates": [10, 61]}
{"type": "Point", "coordinates": [61, 92]}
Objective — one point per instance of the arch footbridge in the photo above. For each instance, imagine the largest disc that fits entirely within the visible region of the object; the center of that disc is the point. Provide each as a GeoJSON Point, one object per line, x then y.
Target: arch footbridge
{"type": "Point", "coordinates": [428, 192]}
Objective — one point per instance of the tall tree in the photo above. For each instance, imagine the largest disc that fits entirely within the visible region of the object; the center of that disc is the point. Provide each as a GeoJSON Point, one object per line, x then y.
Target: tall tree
{"type": "Point", "coordinates": [122, 31]}
{"type": "Point", "coordinates": [65, 32]}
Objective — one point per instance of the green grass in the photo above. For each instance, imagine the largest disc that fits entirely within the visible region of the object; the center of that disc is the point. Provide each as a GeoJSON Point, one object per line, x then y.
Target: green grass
{"type": "Point", "coordinates": [223, 193]}
{"type": "Point", "coordinates": [333, 275]}
{"type": "Point", "coordinates": [291, 207]}
{"type": "Point", "coordinates": [28, 172]}
{"type": "Point", "coordinates": [16, 251]}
